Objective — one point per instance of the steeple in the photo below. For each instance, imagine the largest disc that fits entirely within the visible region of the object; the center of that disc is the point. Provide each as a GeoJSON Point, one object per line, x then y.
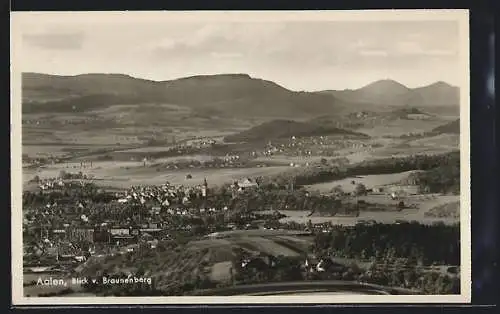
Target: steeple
{"type": "Point", "coordinates": [204, 188]}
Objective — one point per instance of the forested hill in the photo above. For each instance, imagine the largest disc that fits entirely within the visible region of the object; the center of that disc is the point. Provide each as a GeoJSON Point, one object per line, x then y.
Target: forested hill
{"type": "Point", "coordinates": [287, 128]}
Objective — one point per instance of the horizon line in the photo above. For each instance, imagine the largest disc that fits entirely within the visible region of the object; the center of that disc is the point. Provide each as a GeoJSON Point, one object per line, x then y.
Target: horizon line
{"type": "Point", "coordinates": [241, 74]}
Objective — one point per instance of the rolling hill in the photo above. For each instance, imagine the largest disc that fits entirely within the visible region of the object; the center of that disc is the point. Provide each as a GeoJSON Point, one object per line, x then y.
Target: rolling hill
{"type": "Point", "coordinates": [224, 94]}
{"type": "Point", "coordinates": [287, 128]}
{"type": "Point", "coordinates": [227, 96]}
{"type": "Point", "coordinates": [392, 93]}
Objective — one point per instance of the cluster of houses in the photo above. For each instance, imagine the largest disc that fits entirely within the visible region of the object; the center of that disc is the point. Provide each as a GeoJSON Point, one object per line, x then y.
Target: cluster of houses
{"type": "Point", "coordinates": [201, 143]}
{"type": "Point", "coordinates": [168, 194]}
{"type": "Point", "coordinates": [85, 120]}
{"type": "Point", "coordinates": [227, 161]}
{"type": "Point", "coordinates": [64, 244]}
{"type": "Point", "coordinates": [40, 161]}
{"type": "Point", "coordinates": [309, 146]}
{"type": "Point", "coordinates": [51, 184]}
{"type": "Point", "coordinates": [163, 194]}
{"type": "Point", "coordinates": [310, 263]}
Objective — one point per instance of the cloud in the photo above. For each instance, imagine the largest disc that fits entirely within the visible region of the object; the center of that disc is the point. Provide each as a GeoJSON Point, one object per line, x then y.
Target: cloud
{"type": "Point", "coordinates": [305, 55]}
{"type": "Point", "coordinates": [416, 35]}
{"type": "Point", "coordinates": [55, 41]}
{"type": "Point", "coordinates": [219, 40]}
{"type": "Point", "coordinates": [226, 55]}
{"type": "Point", "coordinates": [440, 53]}
{"type": "Point", "coordinates": [409, 48]}
{"type": "Point", "coordinates": [412, 48]}
{"type": "Point", "coordinates": [374, 53]}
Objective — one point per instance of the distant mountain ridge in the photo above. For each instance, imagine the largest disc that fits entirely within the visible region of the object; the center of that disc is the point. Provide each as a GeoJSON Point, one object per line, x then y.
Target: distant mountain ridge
{"type": "Point", "coordinates": [227, 94]}
{"type": "Point", "coordinates": [237, 95]}
{"type": "Point", "coordinates": [392, 93]}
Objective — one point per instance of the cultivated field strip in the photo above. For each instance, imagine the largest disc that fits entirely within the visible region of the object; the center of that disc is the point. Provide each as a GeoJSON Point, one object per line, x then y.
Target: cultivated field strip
{"type": "Point", "coordinates": [265, 245]}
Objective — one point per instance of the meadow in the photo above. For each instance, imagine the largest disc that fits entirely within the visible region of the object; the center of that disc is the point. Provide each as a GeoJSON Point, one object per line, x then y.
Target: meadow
{"type": "Point", "coordinates": [424, 204]}
{"type": "Point", "coordinates": [370, 181]}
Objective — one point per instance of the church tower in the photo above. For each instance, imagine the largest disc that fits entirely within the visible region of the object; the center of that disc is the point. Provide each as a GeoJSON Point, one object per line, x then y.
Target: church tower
{"type": "Point", "coordinates": [204, 188]}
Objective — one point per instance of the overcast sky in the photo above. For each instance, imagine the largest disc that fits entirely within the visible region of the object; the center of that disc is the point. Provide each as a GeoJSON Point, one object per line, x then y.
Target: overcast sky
{"type": "Point", "coordinates": [299, 55]}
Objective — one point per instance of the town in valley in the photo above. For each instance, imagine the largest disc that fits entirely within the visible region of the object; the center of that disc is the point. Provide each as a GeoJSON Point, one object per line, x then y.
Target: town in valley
{"type": "Point", "coordinates": [213, 183]}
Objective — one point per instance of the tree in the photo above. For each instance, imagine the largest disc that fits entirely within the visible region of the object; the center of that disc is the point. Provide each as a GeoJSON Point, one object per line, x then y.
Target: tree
{"type": "Point", "coordinates": [337, 190]}
{"type": "Point", "coordinates": [62, 174]}
{"type": "Point", "coordinates": [360, 189]}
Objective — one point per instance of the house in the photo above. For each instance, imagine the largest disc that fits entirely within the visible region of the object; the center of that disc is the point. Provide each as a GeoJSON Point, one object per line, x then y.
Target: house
{"type": "Point", "coordinates": [377, 190]}
{"type": "Point", "coordinates": [259, 263]}
{"type": "Point", "coordinates": [153, 244]}
{"type": "Point", "coordinates": [247, 183]}
{"type": "Point", "coordinates": [146, 237]}
{"type": "Point", "coordinates": [313, 264]}
{"type": "Point", "coordinates": [119, 231]}
{"type": "Point", "coordinates": [123, 239]}
{"type": "Point", "coordinates": [150, 230]}
{"type": "Point", "coordinates": [401, 205]}
{"type": "Point", "coordinates": [80, 258]}
{"type": "Point", "coordinates": [400, 190]}
{"type": "Point", "coordinates": [79, 234]}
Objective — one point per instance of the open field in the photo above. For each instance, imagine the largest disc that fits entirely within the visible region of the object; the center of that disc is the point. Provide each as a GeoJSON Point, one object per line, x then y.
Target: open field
{"type": "Point", "coordinates": [50, 150]}
{"type": "Point", "coordinates": [451, 209]}
{"type": "Point", "coordinates": [377, 216]}
{"type": "Point", "coordinates": [298, 245]}
{"type": "Point", "coordinates": [126, 124]}
{"type": "Point", "coordinates": [407, 151]}
{"type": "Point", "coordinates": [261, 244]}
{"type": "Point", "coordinates": [221, 271]}
{"type": "Point", "coordinates": [127, 173]}
{"type": "Point", "coordinates": [272, 242]}
{"type": "Point", "coordinates": [409, 214]}
{"type": "Point", "coordinates": [400, 127]}
{"type": "Point", "coordinates": [370, 181]}
{"type": "Point", "coordinates": [442, 140]}
{"type": "Point", "coordinates": [259, 233]}
{"type": "Point", "coordinates": [288, 159]}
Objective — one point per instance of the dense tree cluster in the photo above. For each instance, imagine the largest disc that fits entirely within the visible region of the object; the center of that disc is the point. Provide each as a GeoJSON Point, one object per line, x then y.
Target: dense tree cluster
{"type": "Point", "coordinates": [324, 173]}
{"type": "Point", "coordinates": [70, 194]}
{"type": "Point", "coordinates": [396, 256]}
{"type": "Point", "coordinates": [421, 244]}
{"type": "Point", "coordinates": [442, 179]}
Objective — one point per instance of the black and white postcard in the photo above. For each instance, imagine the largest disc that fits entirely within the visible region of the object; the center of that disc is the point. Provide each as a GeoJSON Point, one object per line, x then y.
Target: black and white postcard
{"type": "Point", "coordinates": [240, 157]}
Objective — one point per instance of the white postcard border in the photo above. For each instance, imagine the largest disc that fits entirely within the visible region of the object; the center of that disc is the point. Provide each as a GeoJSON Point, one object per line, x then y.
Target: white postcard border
{"type": "Point", "coordinates": [20, 19]}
